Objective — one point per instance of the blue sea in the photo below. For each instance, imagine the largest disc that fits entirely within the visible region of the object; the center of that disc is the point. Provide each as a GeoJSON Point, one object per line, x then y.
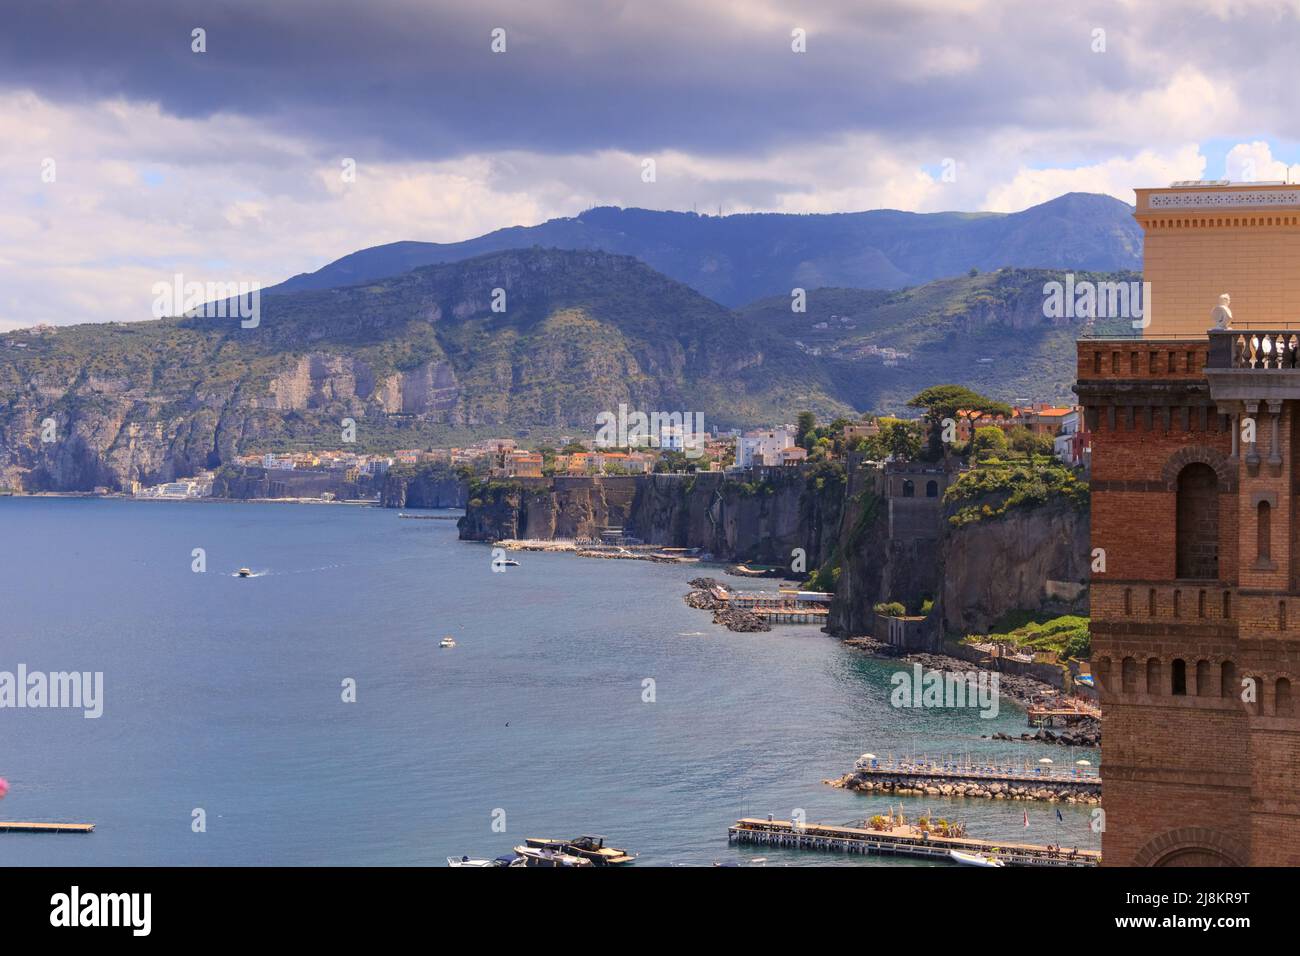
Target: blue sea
{"type": "Point", "coordinates": [225, 695]}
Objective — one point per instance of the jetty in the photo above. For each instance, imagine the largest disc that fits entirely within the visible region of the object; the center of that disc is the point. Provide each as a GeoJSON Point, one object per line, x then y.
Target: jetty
{"type": "Point", "coordinates": [784, 606]}
{"type": "Point", "coordinates": [26, 827]}
{"type": "Point", "coordinates": [899, 840]}
{"type": "Point", "coordinates": [1052, 713]}
{"type": "Point", "coordinates": [924, 777]}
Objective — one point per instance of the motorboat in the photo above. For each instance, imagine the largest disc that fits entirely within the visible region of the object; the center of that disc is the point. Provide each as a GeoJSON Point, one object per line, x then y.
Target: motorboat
{"type": "Point", "coordinates": [974, 859]}
{"type": "Point", "coordinates": [590, 848]}
{"type": "Point", "coordinates": [549, 856]}
{"type": "Point", "coordinates": [447, 642]}
{"type": "Point", "coordinates": [508, 859]}
{"type": "Point", "coordinates": [245, 572]}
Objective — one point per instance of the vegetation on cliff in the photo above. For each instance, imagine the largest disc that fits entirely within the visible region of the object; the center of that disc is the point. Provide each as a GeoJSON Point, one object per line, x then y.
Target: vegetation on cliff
{"type": "Point", "coordinates": [995, 486]}
{"type": "Point", "coordinates": [1067, 634]}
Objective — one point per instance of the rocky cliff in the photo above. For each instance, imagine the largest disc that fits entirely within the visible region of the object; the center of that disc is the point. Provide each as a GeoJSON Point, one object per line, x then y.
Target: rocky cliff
{"type": "Point", "coordinates": [1031, 558]}
{"type": "Point", "coordinates": [858, 540]}
{"type": "Point", "coordinates": [763, 520]}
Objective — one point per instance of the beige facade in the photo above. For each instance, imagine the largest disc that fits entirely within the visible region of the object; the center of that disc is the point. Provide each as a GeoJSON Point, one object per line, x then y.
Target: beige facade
{"type": "Point", "coordinates": [1204, 240]}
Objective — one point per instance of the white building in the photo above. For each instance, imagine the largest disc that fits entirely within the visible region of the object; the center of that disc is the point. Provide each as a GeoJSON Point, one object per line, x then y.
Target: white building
{"type": "Point", "coordinates": [1070, 445]}
{"type": "Point", "coordinates": [763, 447]}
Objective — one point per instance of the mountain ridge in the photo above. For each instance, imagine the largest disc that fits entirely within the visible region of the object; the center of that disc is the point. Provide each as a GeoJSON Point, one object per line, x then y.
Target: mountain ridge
{"type": "Point", "coordinates": [421, 358]}
{"type": "Point", "coordinates": [742, 257]}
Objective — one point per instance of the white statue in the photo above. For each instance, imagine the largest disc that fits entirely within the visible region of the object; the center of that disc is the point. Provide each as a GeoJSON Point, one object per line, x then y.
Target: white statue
{"type": "Point", "coordinates": [1222, 315]}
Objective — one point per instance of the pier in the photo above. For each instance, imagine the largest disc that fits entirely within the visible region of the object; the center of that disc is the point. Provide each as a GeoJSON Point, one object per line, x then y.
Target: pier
{"type": "Point", "coordinates": [785, 606]}
{"type": "Point", "coordinates": [1067, 713]}
{"type": "Point", "coordinates": [899, 840]}
{"type": "Point", "coordinates": [21, 827]}
{"type": "Point", "coordinates": [922, 777]}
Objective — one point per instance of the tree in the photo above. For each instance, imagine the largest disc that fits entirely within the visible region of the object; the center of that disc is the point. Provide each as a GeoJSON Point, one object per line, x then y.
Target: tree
{"type": "Point", "coordinates": [946, 401]}
{"type": "Point", "coordinates": [1025, 442]}
{"type": "Point", "coordinates": [806, 425]}
{"type": "Point", "coordinates": [989, 442]}
{"type": "Point", "coordinates": [898, 438]}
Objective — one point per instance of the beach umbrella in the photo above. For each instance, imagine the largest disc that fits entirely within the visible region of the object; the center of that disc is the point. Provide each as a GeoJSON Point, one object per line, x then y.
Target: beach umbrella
{"type": "Point", "coordinates": [870, 756]}
{"type": "Point", "coordinates": [1045, 760]}
{"type": "Point", "coordinates": [1084, 763]}
{"type": "Point", "coordinates": [4, 787]}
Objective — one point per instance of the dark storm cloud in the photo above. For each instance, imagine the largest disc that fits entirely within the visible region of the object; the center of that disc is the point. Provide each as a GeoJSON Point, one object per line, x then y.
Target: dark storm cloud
{"type": "Point", "coordinates": [418, 79]}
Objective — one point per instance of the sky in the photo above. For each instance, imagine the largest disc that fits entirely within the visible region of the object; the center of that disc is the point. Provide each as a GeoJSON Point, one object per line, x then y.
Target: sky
{"type": "Point", "coordinates": [128, 156]}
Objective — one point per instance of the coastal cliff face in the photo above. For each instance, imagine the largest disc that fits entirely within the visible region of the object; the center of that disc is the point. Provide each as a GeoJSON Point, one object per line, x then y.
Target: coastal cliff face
{"type": "Point", "coordinates": [1029, 558]}
{"type": "Point", "coordinates": [424, 491]}
{"type": "Point", "coordinates": [761, 521]}
{"type": "Point", "coordinates": [867, 546]}
{"type": "Point", "coordinates": [864, 554]}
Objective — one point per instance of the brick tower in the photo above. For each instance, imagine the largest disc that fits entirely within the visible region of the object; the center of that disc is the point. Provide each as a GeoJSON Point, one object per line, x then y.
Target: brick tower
{"type": "Point", "coordinates": [1196, 506]}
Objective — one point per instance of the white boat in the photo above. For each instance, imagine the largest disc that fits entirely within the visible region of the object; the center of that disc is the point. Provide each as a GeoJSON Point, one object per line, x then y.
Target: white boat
{"type": "Point", "coordinates": [447, 642]}
{"type": "Point", "coordinates": [501, 861]}
{"type": "Point", "coordinates": [245, 572]}
{"type": "Point", "coordinates": [973, 859]}
{"type": "Point", "coordinates": [538, 856]}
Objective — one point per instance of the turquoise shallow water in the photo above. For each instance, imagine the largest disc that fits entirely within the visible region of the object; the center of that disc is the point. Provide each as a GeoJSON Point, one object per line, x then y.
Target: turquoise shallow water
{"type": "Point", "coordinates": [225, 694]}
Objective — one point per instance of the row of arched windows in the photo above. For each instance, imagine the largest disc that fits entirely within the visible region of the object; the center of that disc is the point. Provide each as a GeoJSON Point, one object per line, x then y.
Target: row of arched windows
{"type": "Point", "coordinates": [1199, 679]}
{"type": "Point", "coordinates": [931, 488]}
{"type": "Point", "coordinates": [1204, 605]}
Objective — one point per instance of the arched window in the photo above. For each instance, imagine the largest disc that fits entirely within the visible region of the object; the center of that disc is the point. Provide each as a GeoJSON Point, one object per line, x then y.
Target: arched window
{"type": "Point", "coordinates": [1101, 674]}
{"type": "Point", "coordinates": [932, 489]}
{"type": "Point", "coordinates": [1202, 678]}
{"type": "Point", "coordinates": [1153, 676]}
{"type": "Point", "coordinates": [1282, 705]}
{"type": "Point", "coordinates": [1263, 532]}
{"type": "Point", "coordinates": [908, 489]}
{"type": "Point", "coordinates": [1227, 679]}
{"type": "Point", "coordinates": [1129, 675]}
{"type": "Point", "coordinates": [1179, 675]}
{"type": "Point", "coordinates": [1197, 522]}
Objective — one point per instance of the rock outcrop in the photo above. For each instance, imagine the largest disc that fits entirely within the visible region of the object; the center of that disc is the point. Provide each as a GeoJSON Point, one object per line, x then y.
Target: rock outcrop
{"type": "Point", "coordinates": [1032, 558]}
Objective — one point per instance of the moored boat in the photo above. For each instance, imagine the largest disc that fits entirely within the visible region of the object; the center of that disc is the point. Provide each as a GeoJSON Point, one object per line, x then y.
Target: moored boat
{"type": "Point", "coordinates": [590, 848]}
{"type": "Point", "coordinates": [549, 856]}
{"type": "Point", "coordinates": [973, 859]}
{"type": "Point", "coordinates": [508, 859]}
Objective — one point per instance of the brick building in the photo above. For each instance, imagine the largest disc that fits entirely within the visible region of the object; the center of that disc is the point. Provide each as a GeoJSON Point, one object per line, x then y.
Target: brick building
{"type": "Point", "coordinates": [1195, 500]}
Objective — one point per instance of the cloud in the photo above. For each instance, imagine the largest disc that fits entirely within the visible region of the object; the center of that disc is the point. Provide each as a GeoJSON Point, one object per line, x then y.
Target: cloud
{"type": "Point", "coordinates": [173, 161]}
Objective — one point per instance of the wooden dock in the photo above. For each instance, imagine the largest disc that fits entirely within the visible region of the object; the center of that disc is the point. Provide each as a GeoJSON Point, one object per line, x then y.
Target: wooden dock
{"type": "Point", "coordinates": [899, 841]}
{"type": "Point", "coordinates": [1067, 714]}
{"type": "Point", "coordinates": [23, 827]}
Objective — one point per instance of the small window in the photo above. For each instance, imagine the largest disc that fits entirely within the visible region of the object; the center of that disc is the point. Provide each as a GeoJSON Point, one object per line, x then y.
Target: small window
{"type": "Point", "coordinates": [909, 489]}
{"type": "Point", "coordinates": [1282, 705]}
{"type": "Point", "coordinates": [1179, 675]}
{"type": "Point", "coordinates": [1227, 679]}
{"type": "Point", "coordinates": [932, 489]}
{"type": "Point", "coordinates": [1263, 531]}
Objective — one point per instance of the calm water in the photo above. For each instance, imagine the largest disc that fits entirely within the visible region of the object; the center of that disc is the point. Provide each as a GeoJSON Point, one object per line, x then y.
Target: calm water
{"type": "Point", "coordinates": [225, 694]}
